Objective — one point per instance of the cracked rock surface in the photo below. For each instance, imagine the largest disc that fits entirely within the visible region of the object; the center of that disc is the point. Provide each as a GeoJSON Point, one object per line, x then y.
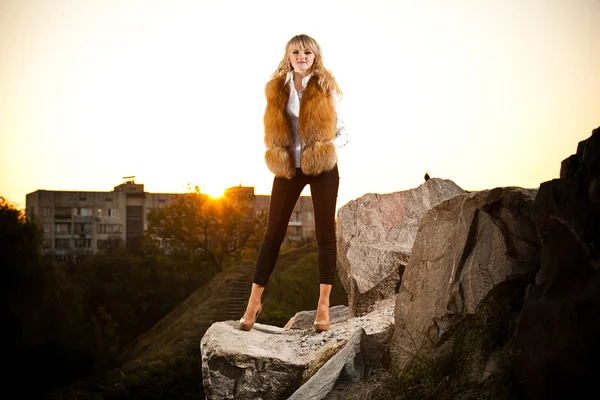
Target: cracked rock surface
{"type": "Point", "coordinates": [272, 363]}
{"type": "Point", "coordinates": [375, 235]}
{"type": "Point", "coordinates": [464, 247]}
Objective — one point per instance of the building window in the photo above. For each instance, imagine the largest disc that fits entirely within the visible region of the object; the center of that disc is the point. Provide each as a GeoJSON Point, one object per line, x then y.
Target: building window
{"type": "Point", "coordinates": [61, 257]}
{"type": "Point", "coordinates": [46, 228]}
{"type": "Point", "coordinates": [82, 211]}
{"type": "Point", "coordinates": [309, 215]}
{"type": "Point", "coordinates": [83, 243]}
{"type": "Point", "coordinates": [82, 198]}
{"type": "Point", "coordinates": [62, 212]}
{"type": "Point", "coordinates": [62, 243]}
{"type": "Point", "coordinates": [297, 214]}
{"type": "Point", "coordinates": [47, 244]}
{"type": "Point", "coordinates": [112, 212]}
{"type": "Point", "coordinates": [82, 228]}
{"type": "Point", "coordinates": [108, 199]}
{"type": "Point", "coordinates": [99, 212]}
{"type": "Point", "coordinates": [31, 210]}
{"type": "Point", "coordinates": [46, 211]}
{"type": "Point", "coordinates": [62, 228]}
{"type": "Point", "coordinates": [103, 244]}
{"type": "Point", "coordinates": [109, 228]}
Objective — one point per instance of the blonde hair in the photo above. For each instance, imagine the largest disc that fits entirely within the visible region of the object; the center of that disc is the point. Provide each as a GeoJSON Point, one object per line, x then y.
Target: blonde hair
{"type": "Point", "coordinates": [325, 78]}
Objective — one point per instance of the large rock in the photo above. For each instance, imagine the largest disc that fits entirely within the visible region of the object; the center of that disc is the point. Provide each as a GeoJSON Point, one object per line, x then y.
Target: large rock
{"type": "Point", "coordinates": [273, 363]}
{"type": "Point", "coordinates": [464, 248]}
{"type": "Point", "coordinates": [375, 237]}
{"type": "Point", "coordinates": [557, 347]}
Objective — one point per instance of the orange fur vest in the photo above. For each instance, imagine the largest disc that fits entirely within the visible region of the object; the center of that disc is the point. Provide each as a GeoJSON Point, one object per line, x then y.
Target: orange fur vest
{"type": "Point", "coordinates": [316, 127]}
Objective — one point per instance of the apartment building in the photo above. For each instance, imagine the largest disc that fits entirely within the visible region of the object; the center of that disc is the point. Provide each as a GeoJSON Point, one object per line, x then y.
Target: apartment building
{"type": "Point", "coordinates": [79, 223]}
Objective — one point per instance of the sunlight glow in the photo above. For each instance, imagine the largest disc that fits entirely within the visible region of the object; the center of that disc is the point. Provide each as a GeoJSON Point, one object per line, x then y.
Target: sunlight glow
{"type": "Point", "coordinates": [214, 192]}
{"type": "Point", "coordinates": [486, 93]}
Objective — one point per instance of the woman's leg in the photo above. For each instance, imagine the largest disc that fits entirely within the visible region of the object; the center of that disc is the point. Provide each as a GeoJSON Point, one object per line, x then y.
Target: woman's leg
{"type": "Point", "coordinates": [324, 190]}
{"type": "Point", "coordinates": [254, 302]}
{"type": "Point", "coordinates": [284, 196]}
{"type": "Point", "coordinates": [323, 305]}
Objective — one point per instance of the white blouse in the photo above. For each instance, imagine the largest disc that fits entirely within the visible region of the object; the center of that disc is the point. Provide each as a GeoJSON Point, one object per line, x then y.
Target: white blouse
{"type": "Point", "coordinates": [293, 109]}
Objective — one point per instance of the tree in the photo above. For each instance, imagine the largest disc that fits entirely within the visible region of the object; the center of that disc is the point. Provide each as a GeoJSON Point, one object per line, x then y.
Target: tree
{"type": "Point", "coordinates": [39, 313]}
{"type": "Point", "coordinates": [20, 243]}
{"type": "Point", "coordinates": [208, 229]}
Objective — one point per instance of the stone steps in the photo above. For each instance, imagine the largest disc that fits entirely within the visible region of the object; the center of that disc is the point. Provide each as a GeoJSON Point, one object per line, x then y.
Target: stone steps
{"type": "Point", "coordinates": [237, 295]}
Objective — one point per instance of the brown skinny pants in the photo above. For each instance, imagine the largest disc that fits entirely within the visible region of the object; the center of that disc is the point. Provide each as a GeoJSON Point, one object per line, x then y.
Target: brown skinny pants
{"type": "Point", "coordinates": [284, 195]}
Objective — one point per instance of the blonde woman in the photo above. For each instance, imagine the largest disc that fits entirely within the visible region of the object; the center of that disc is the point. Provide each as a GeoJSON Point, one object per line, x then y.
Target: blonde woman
{"type": "Point", "coordinates": [303, 131]}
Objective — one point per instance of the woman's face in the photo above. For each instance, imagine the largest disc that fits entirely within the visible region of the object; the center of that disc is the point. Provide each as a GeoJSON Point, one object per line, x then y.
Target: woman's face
{"type": "Point", "coordinates": [302, 59]}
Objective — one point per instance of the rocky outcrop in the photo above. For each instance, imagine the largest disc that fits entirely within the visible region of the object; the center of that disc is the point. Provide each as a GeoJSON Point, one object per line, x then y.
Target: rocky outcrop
{"type": "Point", "coordinates": [557, 346]}
{"type": "Point", "coordinates": [375, 237]}
{"type": "Point", "coordinates": [464, 248]}
{"type": "Point", "coordinates": [500, 296]}
{"type": "Point", "coordinates": [275, 363]}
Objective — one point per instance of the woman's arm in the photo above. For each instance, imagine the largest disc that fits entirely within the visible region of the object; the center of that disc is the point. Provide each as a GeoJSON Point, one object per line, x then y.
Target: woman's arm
{"type": "Point", "coordinates": [341, 134]}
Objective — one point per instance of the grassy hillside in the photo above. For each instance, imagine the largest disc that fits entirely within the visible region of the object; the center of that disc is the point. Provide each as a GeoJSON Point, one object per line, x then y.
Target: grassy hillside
{"type": "Point", "coordinates": [165, 361]}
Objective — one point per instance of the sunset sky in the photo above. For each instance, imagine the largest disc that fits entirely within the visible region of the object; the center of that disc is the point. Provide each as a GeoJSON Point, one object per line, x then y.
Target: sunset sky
{"type": "Point", "coordinates": [486, 93]}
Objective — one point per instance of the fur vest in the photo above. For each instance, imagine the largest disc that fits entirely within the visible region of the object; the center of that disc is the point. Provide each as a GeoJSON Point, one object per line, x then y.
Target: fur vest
{"type": "Point", "coordinates": [316, 127]}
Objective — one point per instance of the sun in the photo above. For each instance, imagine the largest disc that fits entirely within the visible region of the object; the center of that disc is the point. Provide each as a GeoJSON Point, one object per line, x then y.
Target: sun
{"type": "Point", "coordinates": [213, 191]}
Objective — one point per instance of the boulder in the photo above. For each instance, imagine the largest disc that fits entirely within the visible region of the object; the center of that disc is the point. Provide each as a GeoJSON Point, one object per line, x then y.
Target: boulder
{"type": "Point", "coordinates": [464, 248]}
{"type": "Point", "coordinates": [557, 348]}
{"type": "Point", "coordinates": [273, 363]}
{"type": "Point", "coordinates": [375, 235]}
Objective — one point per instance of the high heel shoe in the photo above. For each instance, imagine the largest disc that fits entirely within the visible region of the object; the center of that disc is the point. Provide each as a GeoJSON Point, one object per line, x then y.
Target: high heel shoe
{"type": "Point", "coordinates": [247, 324]}
{"type": "Point", "coordinates": [321, 326]}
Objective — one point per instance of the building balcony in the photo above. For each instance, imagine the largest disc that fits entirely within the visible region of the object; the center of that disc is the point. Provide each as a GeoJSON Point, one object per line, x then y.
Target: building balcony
{"type": "Point", "coordinates": [295, 223]}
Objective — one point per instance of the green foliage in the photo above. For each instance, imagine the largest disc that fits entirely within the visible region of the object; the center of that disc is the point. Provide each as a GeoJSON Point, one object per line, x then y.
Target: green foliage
{"type": "Point", "coordinates": [21, 269]}
{"type": "Point", "coordinates": [196, 226]}
{"type": "Point", "coordinates": [39, 314]}
{"type": "Point", "coordinates": [61, 323]}
{"type": "Point", "coordinates": [135, 292]}
{"type": "Point", "coordinates": [166, 377]}
{"type": "Point", "coordinates": [178, 377]}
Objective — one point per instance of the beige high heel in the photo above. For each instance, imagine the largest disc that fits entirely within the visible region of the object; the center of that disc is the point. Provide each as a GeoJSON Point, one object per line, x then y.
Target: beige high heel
{"type": "Point", "coordinates": [321, 326]}
{"type": "Point", "coordinates": [247, 324]}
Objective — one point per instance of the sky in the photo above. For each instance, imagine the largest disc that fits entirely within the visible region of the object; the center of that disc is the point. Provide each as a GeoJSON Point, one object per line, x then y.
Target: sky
{"type": "Point", "coordinates": [486, 93]}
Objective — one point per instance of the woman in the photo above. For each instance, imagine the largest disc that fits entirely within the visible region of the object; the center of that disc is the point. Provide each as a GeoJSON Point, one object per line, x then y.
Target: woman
{"type": "Point", "coordinates": [302, 132]}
